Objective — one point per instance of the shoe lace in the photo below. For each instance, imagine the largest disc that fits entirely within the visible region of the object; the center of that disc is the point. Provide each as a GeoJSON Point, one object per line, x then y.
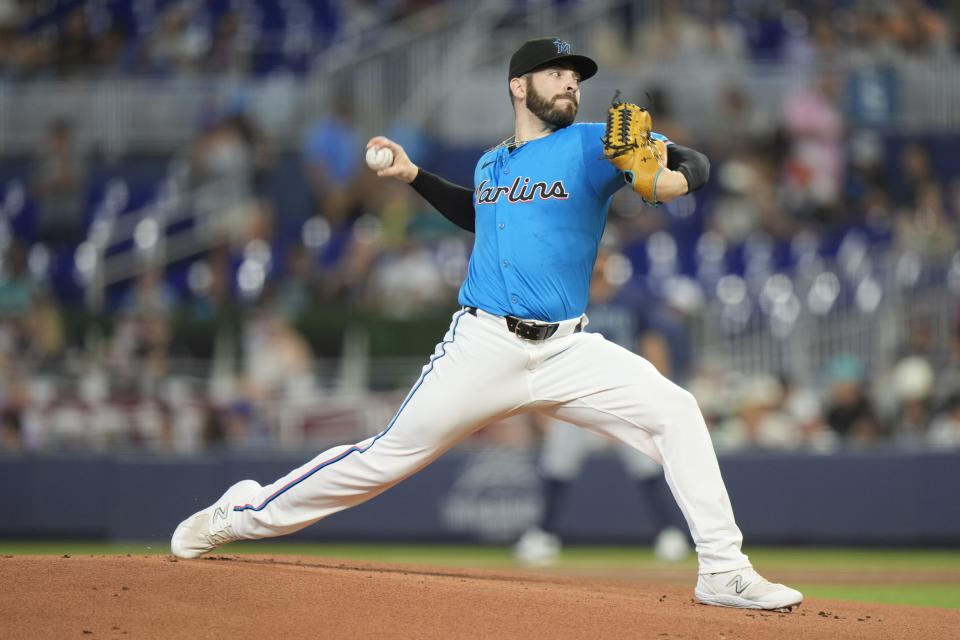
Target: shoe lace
{"type": "Point", "coordinates": [221, 536]}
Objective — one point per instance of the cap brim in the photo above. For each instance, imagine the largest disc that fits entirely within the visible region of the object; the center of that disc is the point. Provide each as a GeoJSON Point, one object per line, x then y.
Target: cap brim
{"type": "Point", "coordinates": [586, 67]}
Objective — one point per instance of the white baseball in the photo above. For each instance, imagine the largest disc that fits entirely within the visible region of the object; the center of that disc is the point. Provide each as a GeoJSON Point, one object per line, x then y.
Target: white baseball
{"type": "Point", "coordinates": [378, 159]}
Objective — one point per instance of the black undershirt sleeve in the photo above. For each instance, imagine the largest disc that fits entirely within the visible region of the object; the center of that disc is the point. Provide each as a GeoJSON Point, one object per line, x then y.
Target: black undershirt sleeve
{"type": "Point", "coordinates": [452, 200]}
{"type": "Point", "coordinates": [691, 163]}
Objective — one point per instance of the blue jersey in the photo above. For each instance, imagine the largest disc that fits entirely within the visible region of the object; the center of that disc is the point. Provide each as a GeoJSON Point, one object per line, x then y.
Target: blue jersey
{"type": "Point", "coordinates": [540, 214]}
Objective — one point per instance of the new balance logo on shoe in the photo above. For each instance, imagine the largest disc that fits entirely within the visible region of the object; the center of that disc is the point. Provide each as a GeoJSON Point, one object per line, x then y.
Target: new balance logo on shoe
{"type": "Point", "coordinates": [738, 584]}
{"type": "Point", "coordinates": [210, 528]}
{"type": "Point", "coordinates": [745, 589]}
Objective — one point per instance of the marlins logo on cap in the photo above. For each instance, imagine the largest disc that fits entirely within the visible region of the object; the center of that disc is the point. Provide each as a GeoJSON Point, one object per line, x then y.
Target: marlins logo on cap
{"type": "Point", "coordinates": [543, 51]}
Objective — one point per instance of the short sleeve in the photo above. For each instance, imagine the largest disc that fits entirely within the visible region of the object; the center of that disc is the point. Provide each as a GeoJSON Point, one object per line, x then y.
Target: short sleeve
{"type": "Point", "coordinates": [603, 176]}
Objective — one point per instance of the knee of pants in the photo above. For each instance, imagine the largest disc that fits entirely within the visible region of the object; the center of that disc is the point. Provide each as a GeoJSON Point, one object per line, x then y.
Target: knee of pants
{"type": "Point", "coordinates": [680, 407]}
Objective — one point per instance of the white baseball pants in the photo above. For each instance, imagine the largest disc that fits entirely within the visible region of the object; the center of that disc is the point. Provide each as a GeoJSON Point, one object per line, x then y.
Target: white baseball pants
{"type": "Point", "coordinates": [481, 373]}
{"type": "Point", "coordinates": [567, 448]}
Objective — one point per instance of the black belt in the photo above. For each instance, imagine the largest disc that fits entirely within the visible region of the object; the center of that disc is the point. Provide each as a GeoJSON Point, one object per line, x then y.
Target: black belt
{"type": "Point", "coordinates": [529, 330]}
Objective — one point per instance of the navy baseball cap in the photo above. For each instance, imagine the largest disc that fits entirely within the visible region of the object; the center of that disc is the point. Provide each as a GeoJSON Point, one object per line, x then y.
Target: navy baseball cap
{"type": "Point", "coordinates": [542, 51]}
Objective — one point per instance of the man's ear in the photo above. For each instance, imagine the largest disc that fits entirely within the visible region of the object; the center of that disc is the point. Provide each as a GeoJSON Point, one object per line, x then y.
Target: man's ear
{"type": "Point", "coordinates": [518, 89]}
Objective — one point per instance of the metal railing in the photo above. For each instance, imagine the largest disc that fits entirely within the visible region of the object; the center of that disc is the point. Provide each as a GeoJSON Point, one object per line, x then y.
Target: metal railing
{"type": "Point", "coordinates": [822, 316]}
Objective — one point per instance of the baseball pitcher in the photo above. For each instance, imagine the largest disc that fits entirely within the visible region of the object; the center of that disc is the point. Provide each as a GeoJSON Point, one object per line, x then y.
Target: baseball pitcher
{"type": "Point", "coordinates": [538, 209]}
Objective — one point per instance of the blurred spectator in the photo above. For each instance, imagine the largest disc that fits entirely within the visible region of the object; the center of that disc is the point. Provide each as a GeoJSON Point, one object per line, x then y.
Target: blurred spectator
{"type": "Point", "coordinates": [405, 282]}
{"type": "Point", "coordinates": [45, 329]}
{"type": "Point", "coordinates": [209, 316]}
{"type": "Point", "coordinates": [152, 425]}
{"type": "Point", "coordinates": [809, 40]}
{"type": "Point", "coordinates": [666, 328]}
{"type": "Point", "coordinates": [277, 376]}
{"type": "Point", "coordinates": [332, 152]}
{"type": "Point", "coordinates": [230, 51]}
{"type": "Point", "coordinates": [225, 162]}
{"type": "Point", "coordinates": [31, 331]}
{"type": "Point", "coordinates": [10, 13]}
{"type": "Point", "coordinates": [849, 411]}
{"type": "Point", "coordinates": [682, 34]}
{"type": "Point", "coordinates": [916, 169]}
{"type": "Point", "coordinates": [58, 187]}
{"type": "Point", "coordinates": [18, 286]}
{"type": "Point", "coordinates": [867, 187]}
{"type": "Point", "coordinates": [11, 436]}
{"type": "Point", "coordinates": [75, 47]}
{"type": "Point", "coordinates": [9, 43]}
{"type": "Point", "coordinates": [758, 423]}
{"type": "Point", "coordinates": [944, 432]}
{"type": "Point", "coordinates": [115, 52]}
{"type": "Point", "coordinates": [948, 374]}
{"type": "Point", "coordinates": [708, 385]}
{"type": "Point", "coordinates": [925, 227]}
{"type": "Point", "coordinates": [261, 150]}
{"type": "Point", "coordinates": [804, 407]}
{"type": "Point", "coordinates": [813, 170]}
{"type": "Point", "coordinates": [921, 342]}
{"type": "Point", "coordinates": [745, 122]}
{"type": "Point", "coordinates": [872, 42]}
{"type": "Point", "coordinates": [300, 289]}
{"type": "Point", "coordinates": [918, 27]}
{"type": "Point", "coordinates": [912, 383]}
{"type": "Point", "coordinates": [30, 55]}
{"type": "Point", "coordinates": [747, 200]}
{"type": "Point", "coordinates": [177, 44]}
{"type": "Point", "coordinates": [140, 344]}
{"type": "Point", "coordinates": [151, 294]}
{"type": "Point", "coordinates": [278, 362]}
{"type": "Point", "coordinates": [953, 204]}
{"type": "Point", "coordinates": [210, 282]}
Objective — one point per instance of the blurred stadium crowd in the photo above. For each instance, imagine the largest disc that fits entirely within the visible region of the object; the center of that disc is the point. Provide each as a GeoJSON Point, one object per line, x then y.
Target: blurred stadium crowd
{"type": "Point", "coordinates": [221, 296]}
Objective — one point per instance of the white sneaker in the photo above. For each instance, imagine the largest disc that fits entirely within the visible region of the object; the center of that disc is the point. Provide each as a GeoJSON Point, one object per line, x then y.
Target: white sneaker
{"type": "Point", "coordinates": [745, 589]}
{"type": "Point", "coordinates": [210, 528]}
{"type": "Point", "coordinates": [537, 548]}
{"type": "Point", "coordinates": [671, 545]}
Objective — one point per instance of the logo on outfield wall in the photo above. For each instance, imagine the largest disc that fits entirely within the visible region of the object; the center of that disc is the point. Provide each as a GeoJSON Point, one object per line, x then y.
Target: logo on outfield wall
{"type": "Point", "coordinates": [495, 497]}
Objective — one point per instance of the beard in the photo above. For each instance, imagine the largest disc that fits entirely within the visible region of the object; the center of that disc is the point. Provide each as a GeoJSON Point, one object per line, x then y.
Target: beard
{"type": "Point", "coordinates": [557, 112]}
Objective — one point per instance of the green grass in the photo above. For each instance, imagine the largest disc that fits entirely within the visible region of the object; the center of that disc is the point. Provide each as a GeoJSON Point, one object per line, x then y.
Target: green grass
{"type": "Point", "coordinates": [940, 594]}
{"type": "Point", "coordinates": [946, 596]}
{"type": "Point", "coordinates": [59, 547]}
{"type": "Point", "coordinates": [802, 558]}
{"type": "Point", "coordinates": [471, 555]}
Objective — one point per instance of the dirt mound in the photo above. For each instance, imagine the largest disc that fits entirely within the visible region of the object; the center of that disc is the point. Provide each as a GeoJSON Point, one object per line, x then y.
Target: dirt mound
{"type": "Point", "coordinates": [290, 597]}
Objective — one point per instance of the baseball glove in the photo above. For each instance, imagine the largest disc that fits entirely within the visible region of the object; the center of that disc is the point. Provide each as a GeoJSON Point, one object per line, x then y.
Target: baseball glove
{"type": "Point", "coordinates": [627, 144]}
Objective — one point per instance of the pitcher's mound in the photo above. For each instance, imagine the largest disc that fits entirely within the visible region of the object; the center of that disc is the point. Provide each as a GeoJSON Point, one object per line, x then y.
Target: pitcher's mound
{"type": "Point", "coordinates": [288, 597]}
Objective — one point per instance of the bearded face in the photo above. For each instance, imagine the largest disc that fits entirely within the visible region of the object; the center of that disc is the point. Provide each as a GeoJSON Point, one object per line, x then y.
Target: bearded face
{"type": "Point", "coordinates": [558, 111]}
